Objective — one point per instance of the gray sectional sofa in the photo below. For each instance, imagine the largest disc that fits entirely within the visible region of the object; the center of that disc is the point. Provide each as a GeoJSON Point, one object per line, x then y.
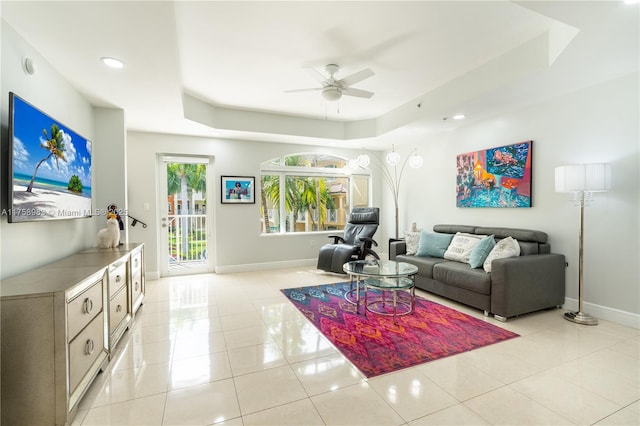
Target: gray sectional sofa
{"type": "Point", "coordinates": [533, 281]}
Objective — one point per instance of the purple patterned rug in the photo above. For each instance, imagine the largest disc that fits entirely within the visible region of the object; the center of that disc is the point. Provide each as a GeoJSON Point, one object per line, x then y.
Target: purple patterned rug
{"type": "Point", "coordinates": [377, 344]}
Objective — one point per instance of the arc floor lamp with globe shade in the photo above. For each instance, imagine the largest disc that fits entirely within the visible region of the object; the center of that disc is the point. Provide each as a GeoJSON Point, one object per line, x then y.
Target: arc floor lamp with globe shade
{"type": "Point", "coordinates": [392, 172]}
{"type": "Point", "coordinates": [582, 180]}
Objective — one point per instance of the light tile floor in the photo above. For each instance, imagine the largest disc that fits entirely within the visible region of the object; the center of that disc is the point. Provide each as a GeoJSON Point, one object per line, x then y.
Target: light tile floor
{"type": "Point", "coordinates": [230, 349]}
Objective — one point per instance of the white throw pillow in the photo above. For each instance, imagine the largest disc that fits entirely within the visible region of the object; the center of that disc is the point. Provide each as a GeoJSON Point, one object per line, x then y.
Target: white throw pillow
{"type": "Point", "coordinates": [461, 246]}
{"type": "Point", "coordinates": [506, 247]}
{"type": "Point", "coordinates": [412, 239]}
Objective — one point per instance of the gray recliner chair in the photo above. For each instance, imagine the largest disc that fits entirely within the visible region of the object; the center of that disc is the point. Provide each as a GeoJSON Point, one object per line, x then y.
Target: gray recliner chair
{"type": "Point", "coordinates": [356, 242]}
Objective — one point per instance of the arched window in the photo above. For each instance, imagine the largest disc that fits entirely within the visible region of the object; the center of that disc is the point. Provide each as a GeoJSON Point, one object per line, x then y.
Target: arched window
{"type": "Point", "coordinates": [310, 192]}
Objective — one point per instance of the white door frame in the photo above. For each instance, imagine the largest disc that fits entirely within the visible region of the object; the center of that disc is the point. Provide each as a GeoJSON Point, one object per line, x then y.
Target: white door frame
{"type": "Point", "coordinates": [163, 213]}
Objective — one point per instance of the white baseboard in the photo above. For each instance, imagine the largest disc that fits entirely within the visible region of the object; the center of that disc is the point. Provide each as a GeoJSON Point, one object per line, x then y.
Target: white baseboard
{"type": "Point", "coordinates": [628, 319]}
{"type": "Point", "coordinates": [155, 275]}
{"type": "Point", "coordinates": [251, 267]}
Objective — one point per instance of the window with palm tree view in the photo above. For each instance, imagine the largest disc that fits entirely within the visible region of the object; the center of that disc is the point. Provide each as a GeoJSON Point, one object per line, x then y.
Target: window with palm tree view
{"type": "Point", "coordinates": [310, 193]}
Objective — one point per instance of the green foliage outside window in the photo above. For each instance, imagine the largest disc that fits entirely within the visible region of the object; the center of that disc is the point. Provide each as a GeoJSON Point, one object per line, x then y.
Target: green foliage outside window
{"type": "Point", "coordinates": [312, 200]}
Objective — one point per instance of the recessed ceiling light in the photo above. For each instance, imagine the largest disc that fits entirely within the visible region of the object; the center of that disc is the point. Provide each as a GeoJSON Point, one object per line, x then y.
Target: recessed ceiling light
{"type": "Point", "coordinates": [631, 1]}
{"type": "Point", "coordinates": [458, 117]}
{"type": "Point", "coordinates": [112, 62]}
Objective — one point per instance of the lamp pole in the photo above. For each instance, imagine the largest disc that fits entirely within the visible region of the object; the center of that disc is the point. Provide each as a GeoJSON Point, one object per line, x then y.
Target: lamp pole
{"type": "Point", "coordinates": [394, 179]}
{"type": "Point", "coordinates": [581, 317]}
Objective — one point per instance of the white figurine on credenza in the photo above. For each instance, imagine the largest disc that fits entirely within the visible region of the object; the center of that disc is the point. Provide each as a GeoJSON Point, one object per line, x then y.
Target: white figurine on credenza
{"type": "Point", "coordinates": [109, 237]}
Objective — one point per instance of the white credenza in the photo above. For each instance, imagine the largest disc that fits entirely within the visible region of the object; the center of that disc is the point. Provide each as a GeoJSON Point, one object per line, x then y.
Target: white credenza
{"type": "Point", "coordinates": [60, 323]}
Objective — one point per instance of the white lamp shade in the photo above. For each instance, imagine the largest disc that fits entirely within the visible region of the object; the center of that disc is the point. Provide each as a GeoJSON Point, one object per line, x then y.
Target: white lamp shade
{"type": "Point", "coordinates": [364, 160]}
{"type": "Point", "coordinates": [416, 161]}
{"type": "Point", "coordinates": [353, 163]}
{"type": "Point", "coordinates": [583, 177]}
{"type": "Point", "coordinates": [393, 158]}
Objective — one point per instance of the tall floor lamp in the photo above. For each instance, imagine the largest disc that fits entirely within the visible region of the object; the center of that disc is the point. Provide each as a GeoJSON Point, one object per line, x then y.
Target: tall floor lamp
{"type": "Point", "coordinates": [392, 171]}
{"type": "Point", "coordinates": [582, 180]}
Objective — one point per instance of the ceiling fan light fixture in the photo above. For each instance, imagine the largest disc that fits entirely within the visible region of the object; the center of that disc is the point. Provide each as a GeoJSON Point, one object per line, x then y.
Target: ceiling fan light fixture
{"type": "Point", "coordinates": [331, 93]}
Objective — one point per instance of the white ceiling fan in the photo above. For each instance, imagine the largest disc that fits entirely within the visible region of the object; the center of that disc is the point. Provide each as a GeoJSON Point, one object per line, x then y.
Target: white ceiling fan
{"type": "Point", "coordinates": [332, 89]}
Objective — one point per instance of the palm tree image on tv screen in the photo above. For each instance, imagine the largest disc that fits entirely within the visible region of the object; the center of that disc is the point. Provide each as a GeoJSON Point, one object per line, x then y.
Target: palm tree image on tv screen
{"type": "Point", "coordinates": [51, 167]}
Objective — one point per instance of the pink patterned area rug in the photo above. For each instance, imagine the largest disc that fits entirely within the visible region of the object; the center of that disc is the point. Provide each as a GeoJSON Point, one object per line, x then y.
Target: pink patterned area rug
{"type": "Point", "coordinates": [376, 344]}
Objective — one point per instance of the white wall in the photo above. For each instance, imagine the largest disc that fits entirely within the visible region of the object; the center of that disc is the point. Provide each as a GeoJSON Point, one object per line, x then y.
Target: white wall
{"type": "Point", "coordinates": [110, 172]}
{"type": "Point", "coordinates": [29, 244]}
{"type": "Point", "coordinates": [598, 124]}
{"type": "Point", "coordinates": [239, 244]}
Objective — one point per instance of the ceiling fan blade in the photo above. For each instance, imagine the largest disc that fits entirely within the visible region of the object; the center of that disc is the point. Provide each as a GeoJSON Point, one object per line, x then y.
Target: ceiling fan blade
{"type": "Point", "coordinates": [304, 90]}
{"type": "Point", "coordinates": [317, 75]}
{"type": "Point", "coordinates": [350, 91]}
{"type": "Point", "coordinates": [355, 78]}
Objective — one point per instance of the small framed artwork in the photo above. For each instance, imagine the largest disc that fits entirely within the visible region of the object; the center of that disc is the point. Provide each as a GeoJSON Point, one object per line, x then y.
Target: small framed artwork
{"type": "Point", "coordinates": [238, 190]}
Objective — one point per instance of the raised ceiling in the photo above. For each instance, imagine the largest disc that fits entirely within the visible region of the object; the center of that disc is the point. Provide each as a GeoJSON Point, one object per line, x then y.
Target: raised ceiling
{"type": "Point", "coordinates": [222, 68]}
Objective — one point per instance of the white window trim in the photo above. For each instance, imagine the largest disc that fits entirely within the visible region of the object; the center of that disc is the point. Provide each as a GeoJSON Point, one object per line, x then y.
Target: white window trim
{"type": "Point", "coordinates": [283, 170]}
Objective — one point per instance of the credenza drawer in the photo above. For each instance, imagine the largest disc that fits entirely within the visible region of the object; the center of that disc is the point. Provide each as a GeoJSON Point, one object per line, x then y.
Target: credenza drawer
{"type": "Point", "coordinates": [136, 262]}
{"type": "Point", "coordinates": [83, 308]}
{"type": "Point", "coordinates": [136, 286]}
{"type": "Point", "coordinates": [117, 309]}
{"type": "Point", "coordinates": [117, 277]}
{"type": "Point", "coordinates": [85, 349]}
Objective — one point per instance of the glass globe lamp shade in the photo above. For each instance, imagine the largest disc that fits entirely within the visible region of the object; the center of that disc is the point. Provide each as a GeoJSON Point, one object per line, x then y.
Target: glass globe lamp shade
{"type": "Point", "coordinates": [364, 160]}
{"type": "Point", "coordinates": [393, 158]}
{"type": "Point", "coordinates": [353, 164]}
{"type": "Point", "coordinates": [416, 161]}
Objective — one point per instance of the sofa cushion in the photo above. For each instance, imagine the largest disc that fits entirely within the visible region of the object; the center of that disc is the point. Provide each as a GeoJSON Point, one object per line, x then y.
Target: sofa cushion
{"type": "Point", "coordinates": [481, 251]}
{"type": "Point", "coordinates": [461, 246]}
{"type": "Point", "coordinates": [463, 276]}
{"type": "Point", "coordinates": [425, 264]}
{"type": "Point", "coordinates": [516, 233]}
{"type": "Point", "coordinates": [527, 248]}
{"type": "Point", "coordinates": [433, 244]}
{"type": "Point", "coordinates": [507, 247]}
{"type": "Point", "coordinates": [412, 239]}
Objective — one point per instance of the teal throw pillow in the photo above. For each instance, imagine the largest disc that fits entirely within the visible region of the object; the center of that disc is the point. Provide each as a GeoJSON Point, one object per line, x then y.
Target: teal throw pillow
{"type": "Point", "coordinates": [481, 251]}
{"type": "Point", "coordinates": [433, 244]}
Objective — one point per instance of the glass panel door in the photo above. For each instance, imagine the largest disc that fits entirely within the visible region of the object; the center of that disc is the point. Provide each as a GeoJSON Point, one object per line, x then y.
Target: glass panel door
{"type": "Point", "coordinates": [185, 235]}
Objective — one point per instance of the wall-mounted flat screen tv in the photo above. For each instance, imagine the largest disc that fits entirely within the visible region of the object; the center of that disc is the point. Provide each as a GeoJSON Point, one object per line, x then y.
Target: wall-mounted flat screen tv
{"type": "Point", "coordinates": [50, 167]}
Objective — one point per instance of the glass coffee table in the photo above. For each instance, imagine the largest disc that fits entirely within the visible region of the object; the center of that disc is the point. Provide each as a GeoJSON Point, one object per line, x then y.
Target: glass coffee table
{"type": "Point", "coordinates": [389, 286]}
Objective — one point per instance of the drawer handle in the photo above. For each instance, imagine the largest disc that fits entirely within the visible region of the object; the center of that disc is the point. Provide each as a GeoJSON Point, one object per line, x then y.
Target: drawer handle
{"type": "Point", "coordinates": [136, 286]}
{"type": "Point", "coordinates": [119, 308]}
{"type": "Point", "coordinates": [89, 347]}
{"type": "Point", "coordinates": [88, 305]}
{"type": "Point", "coordinates": [118, 278]}
{"type": "Point", "coordinates": [135, 262]}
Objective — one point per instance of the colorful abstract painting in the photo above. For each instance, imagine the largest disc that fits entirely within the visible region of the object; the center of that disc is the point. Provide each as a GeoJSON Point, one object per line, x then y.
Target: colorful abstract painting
{"type": "Point", "coordinates": [495, 177]}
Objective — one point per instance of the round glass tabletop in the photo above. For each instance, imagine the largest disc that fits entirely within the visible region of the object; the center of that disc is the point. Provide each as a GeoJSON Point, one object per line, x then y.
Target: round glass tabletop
{"type": "Point", "coordinates": [380, 268]}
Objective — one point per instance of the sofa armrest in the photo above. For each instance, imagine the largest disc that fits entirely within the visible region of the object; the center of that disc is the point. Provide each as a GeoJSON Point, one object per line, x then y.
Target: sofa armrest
{"type": "Point", "coordinates": [396, 248]}
{"type": "Point", "coordinates": [527, 283]}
